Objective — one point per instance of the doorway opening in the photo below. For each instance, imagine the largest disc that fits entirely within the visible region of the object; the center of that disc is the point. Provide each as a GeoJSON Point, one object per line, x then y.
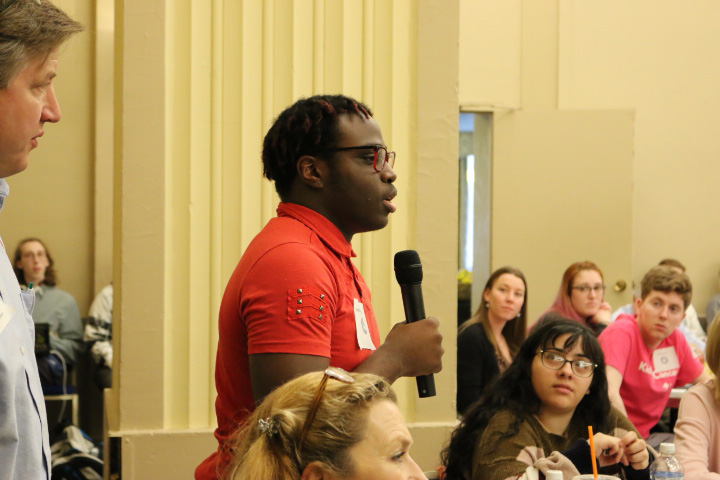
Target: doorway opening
{"type": "Point", "coordinates": [474, 203]}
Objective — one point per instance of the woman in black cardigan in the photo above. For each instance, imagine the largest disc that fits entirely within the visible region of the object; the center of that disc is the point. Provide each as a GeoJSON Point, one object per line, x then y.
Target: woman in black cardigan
{"type": "Point", "coordinates": [488, 342]}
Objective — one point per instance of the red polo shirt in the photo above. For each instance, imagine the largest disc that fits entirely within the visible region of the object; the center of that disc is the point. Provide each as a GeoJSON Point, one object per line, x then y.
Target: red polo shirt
{"type": "Point", "coordinates": [292, 292]}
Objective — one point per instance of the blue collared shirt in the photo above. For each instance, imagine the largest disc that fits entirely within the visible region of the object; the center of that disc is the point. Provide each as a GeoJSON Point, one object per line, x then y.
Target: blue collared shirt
{"type": "Point", "coordinates": [24, 445]}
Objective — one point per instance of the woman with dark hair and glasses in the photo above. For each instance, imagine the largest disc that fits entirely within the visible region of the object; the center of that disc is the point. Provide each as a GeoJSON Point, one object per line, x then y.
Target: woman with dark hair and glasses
{"type": "Point", "coordinates": [582, 297]}
{"type": "Point", "coordinates": [490, 339]}
{"type": "Point", "coordinates": [331, 425]}
{"type": "Point", "coordinates": [536, 414]}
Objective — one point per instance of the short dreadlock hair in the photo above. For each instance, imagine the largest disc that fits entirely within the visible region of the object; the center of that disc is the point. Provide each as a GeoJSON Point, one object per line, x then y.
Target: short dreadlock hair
{"type": "Point", "coordinates": [308, 127]}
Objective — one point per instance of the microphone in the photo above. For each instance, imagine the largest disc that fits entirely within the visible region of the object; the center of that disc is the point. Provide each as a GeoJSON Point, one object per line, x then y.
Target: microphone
{"type": "Point", "coordinates": [408, 272]}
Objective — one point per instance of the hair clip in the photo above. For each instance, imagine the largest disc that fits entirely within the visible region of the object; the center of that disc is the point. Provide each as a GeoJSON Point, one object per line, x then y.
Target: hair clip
{"type": "Point", "coordinates": [267, 426]}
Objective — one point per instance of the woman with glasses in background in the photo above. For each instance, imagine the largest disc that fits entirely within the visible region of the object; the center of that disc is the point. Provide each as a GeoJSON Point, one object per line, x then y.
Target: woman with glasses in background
{"type": "Point", "coordinates": [537, 414]}
{"type": "Point", "coordinates": [582, 297]}
{"type": "Point", "coordinates": [331, 425]}
{"type": "Point", "coordinates": [488, 342]}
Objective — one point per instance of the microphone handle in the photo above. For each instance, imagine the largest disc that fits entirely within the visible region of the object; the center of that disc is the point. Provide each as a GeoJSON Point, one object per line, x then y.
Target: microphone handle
{"type": "Point", "coordinates": [415, 310]}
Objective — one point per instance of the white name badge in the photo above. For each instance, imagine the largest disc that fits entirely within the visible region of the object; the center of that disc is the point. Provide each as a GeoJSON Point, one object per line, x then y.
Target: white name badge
{"type": "Point", "coordinates": [6, 313]}
{"type": "Point", "coordinates": [665, 359]}
{"type": "Point", "coordinates": [362, 328]}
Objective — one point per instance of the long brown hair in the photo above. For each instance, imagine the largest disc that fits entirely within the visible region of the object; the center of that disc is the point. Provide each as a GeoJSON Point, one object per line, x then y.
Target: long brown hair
{"type": "Point", "coordinates": [50, 275]}
{"type": "Point", "coordinates": [514, 330]}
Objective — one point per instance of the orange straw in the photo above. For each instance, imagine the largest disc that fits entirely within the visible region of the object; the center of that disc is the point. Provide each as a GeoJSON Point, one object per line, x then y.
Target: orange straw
{"type": "Point", "coordinates": [592, 451]}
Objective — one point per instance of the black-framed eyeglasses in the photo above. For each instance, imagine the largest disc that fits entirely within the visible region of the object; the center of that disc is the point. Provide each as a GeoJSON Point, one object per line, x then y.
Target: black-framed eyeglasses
{"type": "Point", "coordinates": [554, 361]}
{"type": "Point", "coordinates": [381, 155]}
{"type": "Point", "coordinates": [584, 289]}
{"type": "Point", "coordinates": [330, 372]}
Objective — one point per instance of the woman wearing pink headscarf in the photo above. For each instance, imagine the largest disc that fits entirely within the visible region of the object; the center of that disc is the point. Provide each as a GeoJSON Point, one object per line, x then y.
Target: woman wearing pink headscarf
{"type": "Point", "coordinates": [582, 297]}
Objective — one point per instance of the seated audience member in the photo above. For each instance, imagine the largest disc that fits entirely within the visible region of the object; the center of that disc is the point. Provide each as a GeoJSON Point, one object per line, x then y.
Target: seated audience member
{"type": "Point", "coordinates": [98, 336]}
{"type": "Point", "coordinates": [334, 426]}
{"type": "Point", "coordinates": [34, 265]}
{"type": "Point", "coordinates": [713, 307]}
{"type": "Point", "coordinates": [581, 297]}
{"type": "Point", "coordinates": [538, 412]}
{"type": "Point", "coordinates": [697, 431]}
{"type": "Point", "coordinates": [697, 345]}
{"type": "Point", "coordinates": [488, 342]}
{"type": "Point", "coordinates": [690, 322]}
{"type": "Point", "coordinates": [646, 356]}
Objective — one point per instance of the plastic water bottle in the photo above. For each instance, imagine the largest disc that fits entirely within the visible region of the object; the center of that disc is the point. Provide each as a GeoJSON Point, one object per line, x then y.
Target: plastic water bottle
{"type": "Point", "coordinates": [666, 466]}
{"type": "Point", "coordinates": [554, 475]}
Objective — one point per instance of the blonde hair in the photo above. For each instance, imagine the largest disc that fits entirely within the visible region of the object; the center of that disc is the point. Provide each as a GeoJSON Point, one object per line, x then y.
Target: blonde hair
{"type": "Point", "coordinates": [29, 29]}
{"type": "Point", "coordinates": [712, 352]}
{"type": "Point", "coordinates": [272, 453]}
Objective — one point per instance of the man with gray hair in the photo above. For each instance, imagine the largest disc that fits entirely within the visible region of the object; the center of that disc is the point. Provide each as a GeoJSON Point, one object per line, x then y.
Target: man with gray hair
{"type": "Point", "coordinates": [31, 33]}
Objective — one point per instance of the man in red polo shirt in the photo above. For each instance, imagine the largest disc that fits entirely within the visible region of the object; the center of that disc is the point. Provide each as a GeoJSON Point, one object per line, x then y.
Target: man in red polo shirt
{"type": "Point", "coordinates": [296, 303]}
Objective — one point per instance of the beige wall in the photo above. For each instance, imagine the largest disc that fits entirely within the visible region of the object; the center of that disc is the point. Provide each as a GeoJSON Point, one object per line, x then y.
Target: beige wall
{"type": "Point", "coordinates": [543, 158]}
{"type": "Point", "coordinates": [615, 55]}
{"type": "Point", "coordinates": [619, 55]}
{"type": "Point", "coordinates": [52, 199]}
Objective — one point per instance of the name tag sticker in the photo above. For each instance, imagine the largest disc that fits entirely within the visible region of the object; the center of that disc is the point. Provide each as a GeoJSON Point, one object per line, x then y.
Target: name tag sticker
{"type": "Point", "coordinates": [6, 313]}
{"type": "Point", "coordinates": [665, 359]}
{"type": "Point", "coordinates": [362, 328]}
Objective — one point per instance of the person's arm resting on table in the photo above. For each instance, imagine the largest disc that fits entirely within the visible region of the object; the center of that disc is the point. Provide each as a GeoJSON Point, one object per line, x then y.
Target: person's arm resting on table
{"type": "Point", "coordinates": [615, 378]}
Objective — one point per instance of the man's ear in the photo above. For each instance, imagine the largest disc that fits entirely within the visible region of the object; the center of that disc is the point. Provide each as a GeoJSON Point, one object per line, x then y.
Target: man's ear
{"type": "Point", "coordinates": [638, 304]}
{"type": "Point", "coordinates": [311, 171]}
{"type": "Point", "coordinates": [316, 471]}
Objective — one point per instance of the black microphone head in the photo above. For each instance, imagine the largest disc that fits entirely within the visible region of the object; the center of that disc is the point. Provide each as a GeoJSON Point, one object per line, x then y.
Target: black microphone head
{"type": "Point", "coordinates": [408, 269]}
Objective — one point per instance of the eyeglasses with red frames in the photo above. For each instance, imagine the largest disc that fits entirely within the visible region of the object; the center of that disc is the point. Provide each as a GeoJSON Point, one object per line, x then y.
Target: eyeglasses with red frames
{"type": "Point", "coordinates": [382, 156]}
{"type": "Point", "coordinates": [330, 372]}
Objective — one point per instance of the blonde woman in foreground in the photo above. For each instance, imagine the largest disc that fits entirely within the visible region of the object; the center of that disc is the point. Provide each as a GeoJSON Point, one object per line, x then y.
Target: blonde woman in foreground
{"type": "Point", "coordinates": [697, 432]}
{"type": "Point", "coordinates": [326, 425]}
